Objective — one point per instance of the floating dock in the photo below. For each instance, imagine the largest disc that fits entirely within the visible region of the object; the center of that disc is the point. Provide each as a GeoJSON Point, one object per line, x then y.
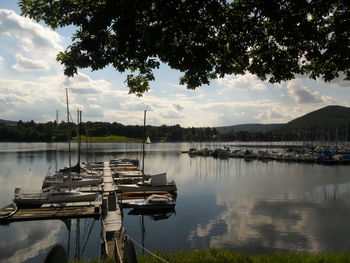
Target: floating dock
{"type": "Point", "coordinates": [47, 212]}
{"type": "Point", "coordinates": [113, 233]}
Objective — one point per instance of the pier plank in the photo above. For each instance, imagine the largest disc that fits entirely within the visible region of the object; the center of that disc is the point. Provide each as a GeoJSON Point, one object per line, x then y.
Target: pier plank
{"type": "Point", "coordinates": [54, 212]}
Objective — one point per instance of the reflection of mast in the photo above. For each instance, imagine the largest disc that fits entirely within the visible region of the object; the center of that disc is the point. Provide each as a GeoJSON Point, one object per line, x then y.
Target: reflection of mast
{"type": "Point", "coordinates": [143, 231]}
{"type": "Point", "coordinates": [77, 241]}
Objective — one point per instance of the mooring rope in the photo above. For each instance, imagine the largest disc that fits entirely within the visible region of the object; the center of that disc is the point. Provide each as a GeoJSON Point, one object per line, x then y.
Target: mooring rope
{"type": "Point", "coordinates": [150, 252]}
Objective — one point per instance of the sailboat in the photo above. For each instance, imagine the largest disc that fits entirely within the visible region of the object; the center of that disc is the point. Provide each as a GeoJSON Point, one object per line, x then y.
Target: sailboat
{"type": "Point", "coordinates": [72, 176]}
{"type": "Point", "coordinates": [148, 141]}
{"type": "Point", "coordinates": [156, 183]}
{"type": "Point", "coordinates": [53, 196]}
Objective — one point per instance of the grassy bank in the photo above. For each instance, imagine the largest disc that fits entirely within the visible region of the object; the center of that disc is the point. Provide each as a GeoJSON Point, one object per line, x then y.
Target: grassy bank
{"type": "Point", "coordinates": [111, 138]}
{"type": "Point", "coordinates": [224, 256]}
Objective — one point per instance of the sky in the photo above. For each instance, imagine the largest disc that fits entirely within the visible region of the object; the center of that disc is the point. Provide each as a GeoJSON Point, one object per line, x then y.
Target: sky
{"type": "Point", "coordinates": [32, 87]}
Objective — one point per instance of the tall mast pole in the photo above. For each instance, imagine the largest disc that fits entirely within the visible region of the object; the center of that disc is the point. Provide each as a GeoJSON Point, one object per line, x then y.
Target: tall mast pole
{"type": "Point", "coordinates": [79, 135]}
{"type": "Point", "coordinates": [70, 163]}
{"type": "Point", "coordinates": [56, 119]}
{"type": "Point", "coordinates": [143, 145]}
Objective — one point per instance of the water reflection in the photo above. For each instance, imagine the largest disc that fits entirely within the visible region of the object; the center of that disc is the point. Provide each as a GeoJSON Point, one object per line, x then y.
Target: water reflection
{"type": "Point", "coordinates": [251, 206]}
{"type": "Point", "coordinates": [268, 226]}
{"type": "Point", "coordinates": [29, 241]}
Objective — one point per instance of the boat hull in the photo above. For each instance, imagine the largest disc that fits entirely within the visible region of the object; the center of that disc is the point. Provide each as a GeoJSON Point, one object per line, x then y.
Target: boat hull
{"type": "Point", "coordinates": [39, 199]}
{"type": "Point", "coordinates": [146, 188]}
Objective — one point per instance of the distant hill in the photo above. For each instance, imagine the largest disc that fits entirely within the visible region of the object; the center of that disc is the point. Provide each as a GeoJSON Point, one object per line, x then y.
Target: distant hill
{"type": "Point", "coordinates": [329, 117]}
{"type": "Point", "coordinates": [8, 122]}
{"type": "Point", "coordinates": [254, 127]}
{"type": "Point", "coordinates": [328, 122]}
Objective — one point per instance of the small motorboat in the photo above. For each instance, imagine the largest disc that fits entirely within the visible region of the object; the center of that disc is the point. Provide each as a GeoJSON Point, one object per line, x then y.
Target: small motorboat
{"type": "Point", "coordinates": [8, 211]}
{"type": "Point", "coordinates": [154, 202]}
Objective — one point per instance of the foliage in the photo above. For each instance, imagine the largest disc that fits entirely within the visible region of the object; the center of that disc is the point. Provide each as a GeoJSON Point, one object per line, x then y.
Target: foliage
{"type": "Point", "coordinates": [204, 39]}
{"type": "Point", "coordinates": [331, 123]}
{"type": "Point", "coordinates": [224, 256]}
{"type": "Point", "coordinates": [100, 131]}
{"type": "Point", "coordinates": [110, 138]}
{"type": "Point", "coordinates": [107, 260]}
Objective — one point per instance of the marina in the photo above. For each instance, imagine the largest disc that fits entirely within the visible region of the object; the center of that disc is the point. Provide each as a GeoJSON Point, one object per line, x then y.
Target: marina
{"type": "Point", "coordinates": [106, 203]}
{"type": "Point", "coordinates": [217, 197]}
{"type": "Point", "coordinates": [339, 154]}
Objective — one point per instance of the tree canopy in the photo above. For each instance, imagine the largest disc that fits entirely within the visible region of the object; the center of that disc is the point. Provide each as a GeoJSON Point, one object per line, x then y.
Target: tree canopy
{"type": "Point", "coordinates": [204, 39]}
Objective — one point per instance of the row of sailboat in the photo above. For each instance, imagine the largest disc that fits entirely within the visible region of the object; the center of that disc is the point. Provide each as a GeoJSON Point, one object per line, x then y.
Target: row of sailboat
{"type": "Point", "coordinates": [63, 184]}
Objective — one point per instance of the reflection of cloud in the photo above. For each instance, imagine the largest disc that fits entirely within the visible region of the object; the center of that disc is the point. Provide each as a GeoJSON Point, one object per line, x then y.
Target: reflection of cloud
{"type": "Point", "coordinates": [28, 240]}
{"type": "Point", "coordinates": [264, 226]}
{"type": "Point", "coordinates": [202, 230]}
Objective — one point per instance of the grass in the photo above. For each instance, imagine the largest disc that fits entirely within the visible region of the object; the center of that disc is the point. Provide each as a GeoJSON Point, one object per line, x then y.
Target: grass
{"type": "Point", "coordinates": [112, 138]}
{"type": "Point", "coordinates": [225, 256]}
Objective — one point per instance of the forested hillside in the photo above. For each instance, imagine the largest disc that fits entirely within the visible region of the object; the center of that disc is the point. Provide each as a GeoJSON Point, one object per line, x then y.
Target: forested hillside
{"type": "Point", "coordinates": [51, 131]}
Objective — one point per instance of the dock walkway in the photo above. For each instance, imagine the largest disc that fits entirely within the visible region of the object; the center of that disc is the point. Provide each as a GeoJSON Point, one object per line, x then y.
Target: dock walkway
{"type": "Point", "coordinates": [113, 232]}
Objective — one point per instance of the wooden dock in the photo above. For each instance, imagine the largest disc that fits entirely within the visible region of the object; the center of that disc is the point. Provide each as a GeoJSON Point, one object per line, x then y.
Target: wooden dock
{"type": "Point", "coordinates": [113, 232]}
{"type": "Point", "coordinates": [108, 208]}
{"type": "Point", "coordinates": [57, 211]}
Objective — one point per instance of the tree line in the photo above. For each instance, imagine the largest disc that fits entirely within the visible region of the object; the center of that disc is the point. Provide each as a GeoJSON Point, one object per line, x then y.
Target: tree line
{"type": "Point", "coordinates": [58, 132]}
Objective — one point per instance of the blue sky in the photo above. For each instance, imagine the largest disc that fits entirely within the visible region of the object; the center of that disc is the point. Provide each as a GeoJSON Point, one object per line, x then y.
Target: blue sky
{"type": "Point", "coordinates": [32, 87]}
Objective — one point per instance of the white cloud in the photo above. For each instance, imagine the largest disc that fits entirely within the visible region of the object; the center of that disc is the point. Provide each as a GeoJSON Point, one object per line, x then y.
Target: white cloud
{"type": "Point", "coordinates": [170, 115]}
{"type": "Point", "coordinates": [178, 107]}
{"type": "Point", "coordinates": [31, 35]}
{"type": "Point", "coordinates": [242, 82]}
{"type": "Point", "coordinates": [136, 106]}
{"type": "Point", "coordinates": [302, 95]}
{"type": "Point", "coordinates": [338, 82]}
{"type": "Point", "coordinates": [34, 46]}
{"type": "Point", "coordinates": [177, 86]}
{"type": "Point", "coordinates": [26, 64]}
{"type": "Point", "coordinates": [83, 84]}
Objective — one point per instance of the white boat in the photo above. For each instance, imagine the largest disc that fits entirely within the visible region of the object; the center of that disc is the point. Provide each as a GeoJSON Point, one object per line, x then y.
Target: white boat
{"type": "Point", "coordinates": [157, 183]}
{"type": "Point", "coordinates": [148, 141]}
{"type": "Point", "coordinates": [75, 181]}
{"type": "Point", "coordinates": [8, 211]}
{"type": "Point", "coordinates": [52, 196]}
{"type": "Point", "coordinates": [154, 202]}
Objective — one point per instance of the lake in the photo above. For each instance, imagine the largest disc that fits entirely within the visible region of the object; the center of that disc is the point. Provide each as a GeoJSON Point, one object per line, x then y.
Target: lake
{"type": "Point", "coordinates": [248, 206]}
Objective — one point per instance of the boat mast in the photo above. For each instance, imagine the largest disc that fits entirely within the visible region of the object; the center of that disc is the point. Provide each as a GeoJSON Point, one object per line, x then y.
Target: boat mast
{"type": "Point", "coordinates": [143, 146]}
{"type": "Point", "coordinates": [79, 135]}
{"type": "Point", "coordinates": [70, 164]}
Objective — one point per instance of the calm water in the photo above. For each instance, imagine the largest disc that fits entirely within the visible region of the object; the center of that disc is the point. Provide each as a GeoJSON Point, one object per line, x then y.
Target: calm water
{"type": "Point", "coordinates": [256, 207]}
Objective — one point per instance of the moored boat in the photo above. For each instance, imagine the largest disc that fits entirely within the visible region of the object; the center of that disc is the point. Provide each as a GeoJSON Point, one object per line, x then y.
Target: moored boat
{"type": "Point", "coordinates": [157, 183]}
{"type": "Point", "coordinates": [154, 202]}
{"type": "Point", "coordinates": [52, 196]}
